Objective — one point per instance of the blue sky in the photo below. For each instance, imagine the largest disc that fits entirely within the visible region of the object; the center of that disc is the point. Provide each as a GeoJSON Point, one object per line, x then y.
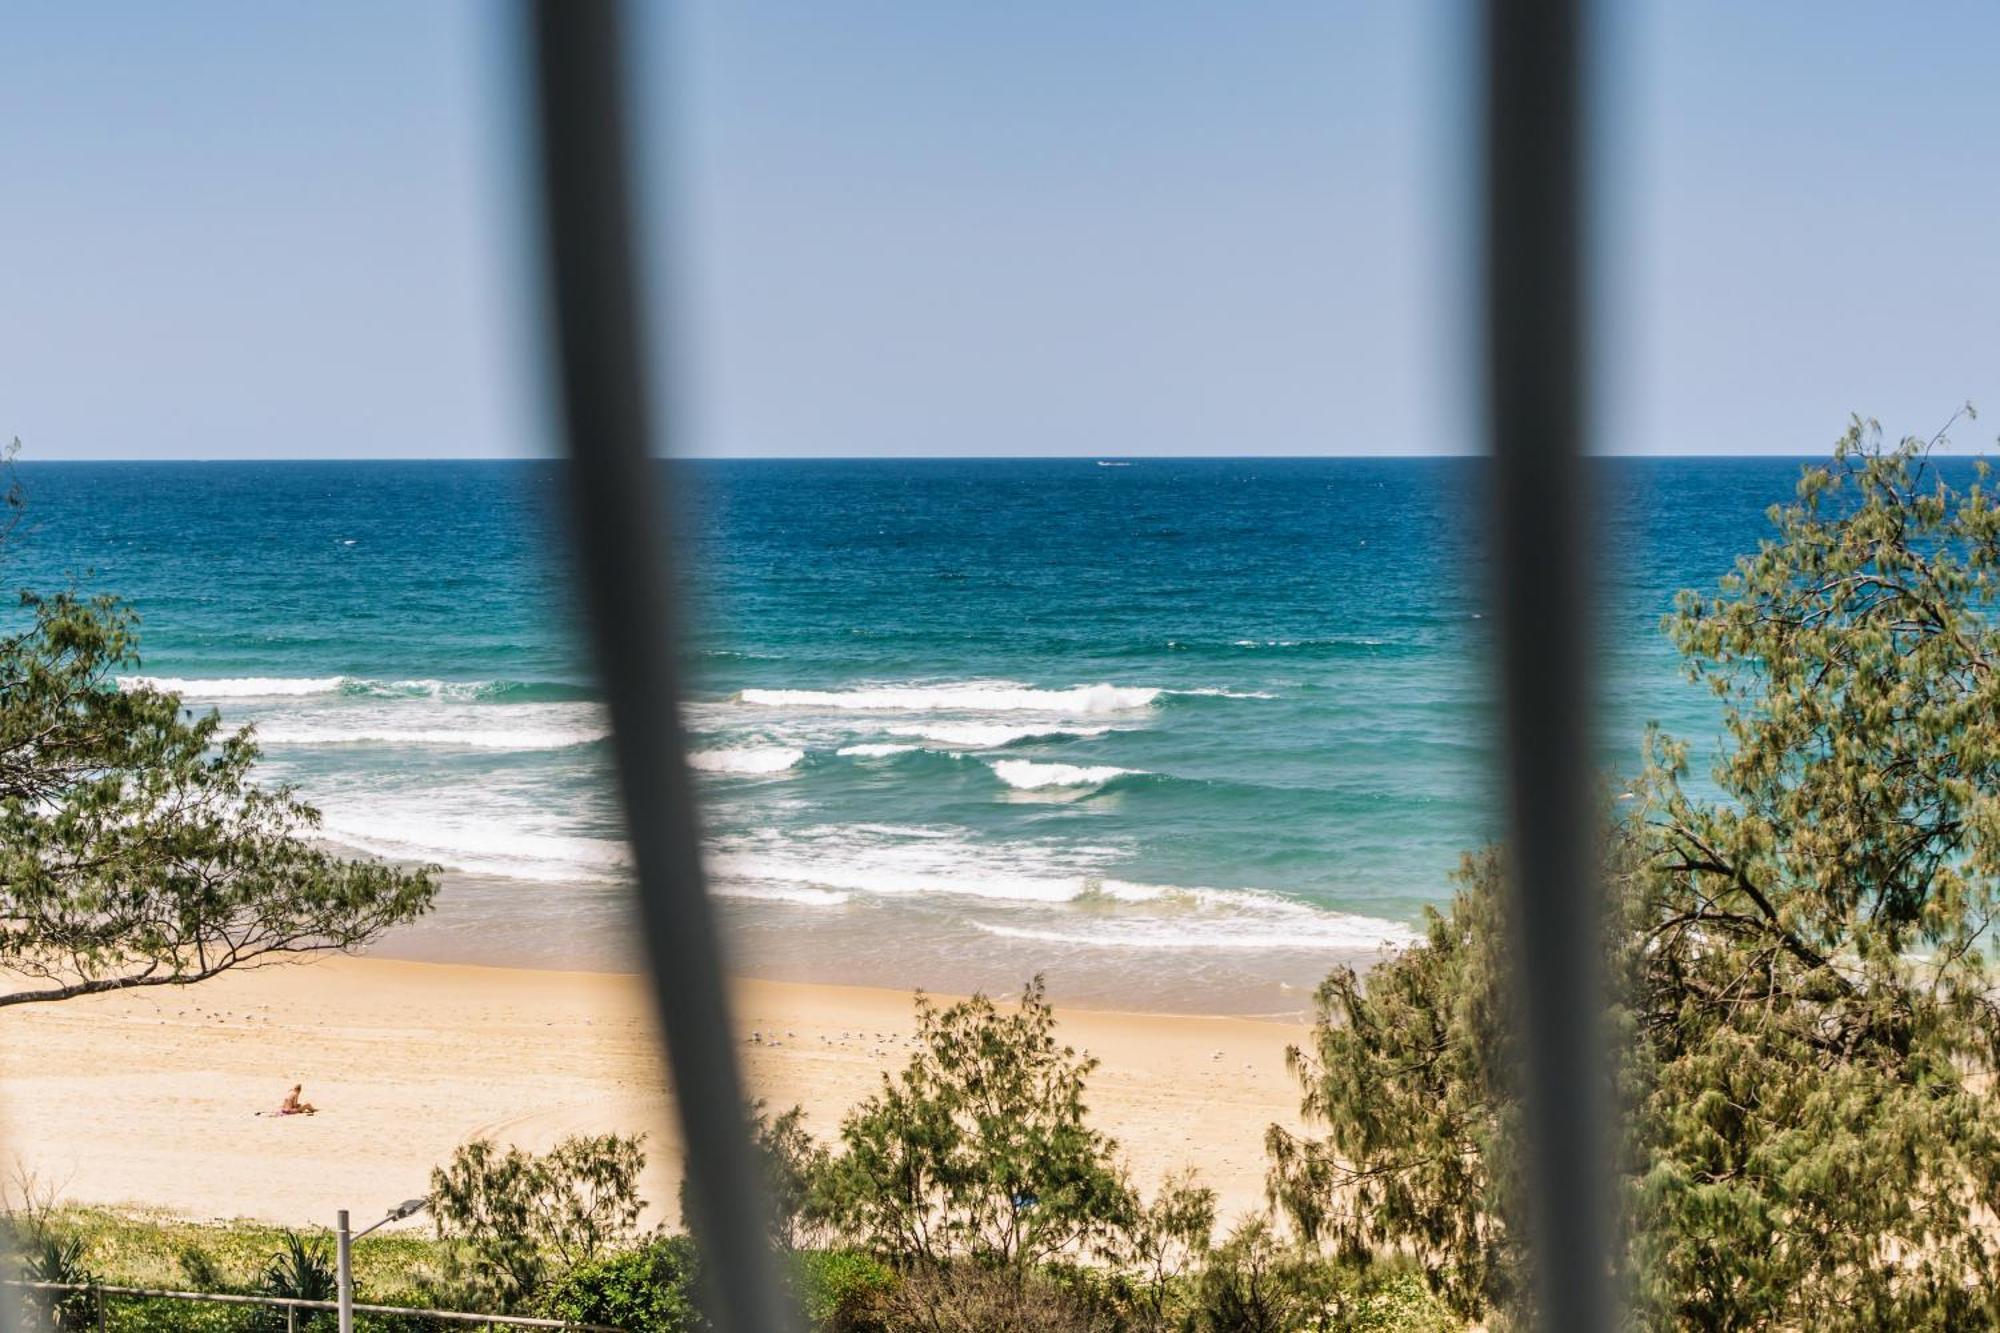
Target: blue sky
{"type": "Point", "coordinates": [240, 230]}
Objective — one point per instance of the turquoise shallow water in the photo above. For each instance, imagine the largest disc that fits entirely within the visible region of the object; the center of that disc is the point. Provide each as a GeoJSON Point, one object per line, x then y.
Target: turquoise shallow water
{"type": "Point", "coordinates": [1176, 732]}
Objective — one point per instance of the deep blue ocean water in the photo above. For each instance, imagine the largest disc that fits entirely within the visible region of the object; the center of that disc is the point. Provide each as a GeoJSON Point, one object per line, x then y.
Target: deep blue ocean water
{"type": "Point", "coordinates": [1178, 732]}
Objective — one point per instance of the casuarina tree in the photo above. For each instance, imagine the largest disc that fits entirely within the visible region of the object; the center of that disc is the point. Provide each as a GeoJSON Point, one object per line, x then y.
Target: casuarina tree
{"type": "Point", "coordinates": [136, 848]}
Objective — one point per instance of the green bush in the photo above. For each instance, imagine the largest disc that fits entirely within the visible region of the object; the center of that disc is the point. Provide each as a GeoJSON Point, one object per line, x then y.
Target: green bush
{"type": "Point", "coordinates": [151, 1316]}
{"type": "Point", "coordinates": [967, 1296]}
{"type": "Point", "coordinates": [47, 1254]}
{"type": "Point", "coordinates": [646, 1290]}
{"type": "Point", "coordinates": [303, 1270]}
{"type": "Point", "coordinates": [979, 1149]}
{"type": "Point", "coordinates": [524, 1221]}
{"type": "Point", "coordinates": [841, 1290]}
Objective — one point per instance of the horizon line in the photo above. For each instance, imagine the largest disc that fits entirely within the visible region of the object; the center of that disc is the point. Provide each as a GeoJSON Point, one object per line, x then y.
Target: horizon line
{"type": "Point", "coordinates": [905, 458]}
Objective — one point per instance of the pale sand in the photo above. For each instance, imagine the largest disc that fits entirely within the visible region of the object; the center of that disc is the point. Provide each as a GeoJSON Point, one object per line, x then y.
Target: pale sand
{"type": "Point", "coordinates": [147, 1098]}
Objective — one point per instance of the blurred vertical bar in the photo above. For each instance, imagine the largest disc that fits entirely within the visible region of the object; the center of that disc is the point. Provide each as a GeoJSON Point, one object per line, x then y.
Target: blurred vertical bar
{"type": "Point", "coordinates": [623, 550]}
{"type": "Point", "coordinates": [1534, 274]}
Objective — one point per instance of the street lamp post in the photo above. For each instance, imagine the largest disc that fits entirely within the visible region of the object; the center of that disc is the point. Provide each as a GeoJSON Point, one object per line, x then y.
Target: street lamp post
{"type": "Point", "coordinates": [343, 1253]}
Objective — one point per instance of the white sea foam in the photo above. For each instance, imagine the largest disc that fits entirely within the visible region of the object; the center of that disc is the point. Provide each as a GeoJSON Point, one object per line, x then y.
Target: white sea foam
{"type": "Point", "coordinates": [461, 690]}
{"type": "Point", "coordinates": [896, 872]}
{"type": "Point", "coordinates": [875, 750]}
{"type": "Point", "coordinates": [747, 761]}
{"type": "Point", "coordinates": [236, 687]}
{"type": "Point", "coordinates": [990, 696]}
{"type": "Point", "coordinates": [1330, 931]}
{"type": "Point", "coordinates": [904, 830]}
{"type": "Point", "coordinates": [1024, 775]}
{"type": "Point", "coordinates": [898, 861]}
{"type": "Point", "coordinates": [349, 721]}
{"type": "Point", "coordinates": [991, 735]}
{"type": "Point", "coordinates": [773, 893]}
{"type": "Point", "coordinates": [488, 846]}
{"type": "Point", "coordinates": [1035, 891]}
{"type": "Point", "coordinates": [497, 738]}
{"type": "Point", "coordinates": [281, 687]}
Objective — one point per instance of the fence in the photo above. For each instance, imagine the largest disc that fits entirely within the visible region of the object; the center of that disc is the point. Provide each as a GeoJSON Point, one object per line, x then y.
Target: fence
{"type": "Point", "coordinates": [1536, 121]}
{"type": "Point", "coordinates": [292, 1307]}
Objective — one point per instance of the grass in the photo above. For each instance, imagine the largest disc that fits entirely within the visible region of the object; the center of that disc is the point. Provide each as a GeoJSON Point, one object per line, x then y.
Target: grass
{"type": "Point", "coordinates": [140, 1248]}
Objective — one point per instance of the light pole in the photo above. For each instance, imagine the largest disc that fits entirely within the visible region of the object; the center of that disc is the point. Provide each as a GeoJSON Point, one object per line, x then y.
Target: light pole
{"type": "Point", "coordinates": [344, 1255]}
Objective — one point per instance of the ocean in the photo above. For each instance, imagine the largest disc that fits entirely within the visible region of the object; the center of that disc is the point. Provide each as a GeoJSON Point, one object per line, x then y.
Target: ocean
{"type": "Point", "coordinates": [1180, 734]}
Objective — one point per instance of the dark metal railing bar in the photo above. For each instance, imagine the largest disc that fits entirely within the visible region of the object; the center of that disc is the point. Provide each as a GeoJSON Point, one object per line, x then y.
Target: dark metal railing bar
{"type": "Point", "coordinates": [294, 1303]}
{"type": "Point", "coordinates": [1534, 276]}
{"type": "Point", "coordinates": [623, 550]}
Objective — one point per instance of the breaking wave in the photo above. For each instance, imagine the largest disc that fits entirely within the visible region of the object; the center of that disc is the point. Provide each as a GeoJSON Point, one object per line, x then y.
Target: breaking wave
{"type": "Point", "coordinates": [749, 761]}
{"type": "Point", "coordinates": [966, 697]}
{"type": "Point", "coordinates": [281, 687]}
{"type": "Point", "coordinates": [1025, 775]}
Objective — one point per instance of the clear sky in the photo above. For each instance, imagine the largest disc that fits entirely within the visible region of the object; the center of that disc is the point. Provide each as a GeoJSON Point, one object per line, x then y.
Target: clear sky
{"type": "Point", "coordinates": [244, 230]}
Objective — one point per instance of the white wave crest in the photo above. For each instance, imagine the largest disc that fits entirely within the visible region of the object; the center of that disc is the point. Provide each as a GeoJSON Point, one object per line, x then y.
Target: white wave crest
{"type": "Point", "coordinates": [284, 687]}
{"type": "Point", "coordinates": [482, 847]}
{"type": "Point", "coordinates": [892, 871]}
{"type": "Point", "coordinates": [772, 893]}
{"type": "Point", "coordinates": [875, 750]}
{"type": "Point", "coordinates": [1036, 891]}
{"type": "Point", "coordinates": [1217, 692]}
{"type": "Point", "coordinates": [1023, 775]}
{"type": "Point", "coordinates": [236, 687]}
{"type": "Point", "coordinates": [493, 738]}
{"type": "Point", "coordinates": [421, 689]}
{"type": "Point", "coordinates": [990, 735]}
{"type": "Point", "coordinates": [1313, 930]}
{"type": "Point", "coordinates": [749, 761]}
{"type": "Point", "coordinates": [997, 696]}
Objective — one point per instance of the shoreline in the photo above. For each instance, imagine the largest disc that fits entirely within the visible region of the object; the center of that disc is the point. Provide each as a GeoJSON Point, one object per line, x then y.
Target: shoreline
{"type": "Point", "coordinates": [891, 943]}
{"type": "Point", "coordinates": [148, 1099]}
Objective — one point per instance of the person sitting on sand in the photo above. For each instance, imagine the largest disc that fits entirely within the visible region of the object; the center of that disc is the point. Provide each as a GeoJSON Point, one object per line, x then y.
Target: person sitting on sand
{"type": "Point", "coordinates": [293, 1106]}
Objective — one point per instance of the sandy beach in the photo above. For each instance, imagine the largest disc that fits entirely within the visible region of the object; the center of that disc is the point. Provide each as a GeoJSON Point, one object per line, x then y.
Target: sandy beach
{"type": "Point", "coordinates": [150, 1098]}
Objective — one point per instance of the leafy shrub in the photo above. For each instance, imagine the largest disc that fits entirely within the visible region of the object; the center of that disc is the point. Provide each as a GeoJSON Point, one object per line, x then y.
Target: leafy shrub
{"type": "Point", "coordinates": [524, 1220]}
{"type": "Point", "coordinates": [646, 1290]}
{"type": "Point", "coordinates": [1165, 1240]}
{"type": "Point", "coordinates": [1254, 1284]}
{"type": "Point", "coordinates": [841, 1290]}
{"type": "Point", "coordinates": [965, 1296]}
{"type": "Point", "coordinates": [158, 1316]}
{"type": "Point", "coordinates": [1258, 1282]}
{"type": "Point", "coordinates": [49, 1255]}
{"type": "Point", "coordinates": [199, 1270]}
{"type": "Point", "coordinates": [979, 1148]}
{"type": "Point", "coordinates": [301, 1271]}
{"type": "Point", "coordinates": [791, 1163]}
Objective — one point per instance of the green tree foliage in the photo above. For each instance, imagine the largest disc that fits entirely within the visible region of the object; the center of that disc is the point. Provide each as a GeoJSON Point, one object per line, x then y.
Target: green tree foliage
{"type": "Point", "coordinates": [1261, 1281]}
{"type": "Point", "coordinates": [135, 850]}
{"type": "Point", "coordinates": [1167, 1239]}
{"type": "Point", "coordinates": [1407, 1076]}
{"type": "Point", "coordinates": [1807, 1035]}
{"type": "Point", "coordinates": [650, 1289]}
{"type": "Point", "coordinates": [523, 1219]}
{"type": "Point", "coordinates": [841, 1291]}
{"type": "Point", "coordinates": [791, 1162]}
{"type": "Point", "coordinates": [979, 1148]}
